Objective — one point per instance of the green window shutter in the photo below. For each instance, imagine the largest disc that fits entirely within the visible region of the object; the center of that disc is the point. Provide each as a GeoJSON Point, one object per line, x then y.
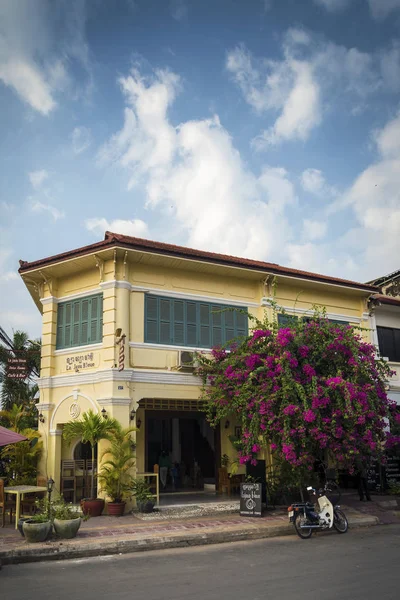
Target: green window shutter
{"type": "Point", "coordinates": [191, 324]}
{"type": "Point", "coordinates": [60, 326]}
{"type": "Point", "coordinates": [171, 321]}
{"type": "Point", "coordinates": [84, 321]}
{"type": "Point", "coordinates": [179, 323]}
{"type": "Point", "coordinates": [76, 322]}
{"type": "Point", "coordinates": [285, 320]}
{"type": "Point", "coordinates": [216, 320]}
{"type": "Point", "coordinates": [242, 323]}
{"type": "Point", "coordinates": [80, 322]}
{"type": "Point", "coordinates": [151, 319]}
{"type": "Point", "coordinates": [68, 325]}
{"type": "Point", "coordinates": [229, 329]}
{"type": "Point", "coordinates": [205, 329]}
{"type": "Point", "coordinates": [165, 321]}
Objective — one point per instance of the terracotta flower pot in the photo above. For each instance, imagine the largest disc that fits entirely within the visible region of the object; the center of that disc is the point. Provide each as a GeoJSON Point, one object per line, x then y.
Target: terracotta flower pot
{"type": "Point", "coordinates": [36, 532]}
{"type": "Point", "coordinates": [92, 506]}
{"type": "Point", "coordinates": [116, 509]}
{"type": "Point", "coordinates": [67, 529]}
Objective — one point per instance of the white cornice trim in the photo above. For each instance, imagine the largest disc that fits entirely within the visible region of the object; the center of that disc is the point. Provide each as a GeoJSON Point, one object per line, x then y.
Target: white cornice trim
{"type": "Point", "coordinates": [143, 345]}
{"type": "Point", "coordinates": [188, 296]}
{"type": "Point", "coordinates": [77, 349]}
{"type": "Point", "coordinates": [44, 406]}
{"type": "Point", "coordinates": [304, 311]}
{"type": "Point", "coordinates": [115, 283]}
{"type": "Point", "coordinates": [92, 292]}
{"type": "Point", "coordinates": [57, 432]}
{"type": "Point", "coordinates": [113, 375]}
{"type": "Point", "coordinates": [114, 401]}
{"type": "Point", "coordinates": [48, 300]}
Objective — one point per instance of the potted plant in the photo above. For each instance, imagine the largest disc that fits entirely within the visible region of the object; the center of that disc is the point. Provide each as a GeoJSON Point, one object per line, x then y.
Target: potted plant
{"type": "Point", "coordinates": [66, 519]}
{"type": "Point", "coordinates": [143, 495]}
{"type": "Point", "coordinates": [92, 428]}
{"type": "Point", "coordinates": [115, 477]}
{"type": "Point", "coordinates": [37, 528]}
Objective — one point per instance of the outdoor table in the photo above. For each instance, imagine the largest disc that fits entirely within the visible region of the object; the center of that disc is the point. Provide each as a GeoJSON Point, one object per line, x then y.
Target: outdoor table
{"type": "Point", "coordinates": [20, 491]}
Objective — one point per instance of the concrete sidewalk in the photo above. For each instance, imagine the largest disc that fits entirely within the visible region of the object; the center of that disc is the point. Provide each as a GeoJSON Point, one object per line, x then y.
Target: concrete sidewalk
{"type": "Point", "coordinates": [111, 535]}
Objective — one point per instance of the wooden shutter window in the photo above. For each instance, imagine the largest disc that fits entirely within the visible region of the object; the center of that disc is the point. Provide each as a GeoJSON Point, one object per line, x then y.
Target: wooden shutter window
{"type": "Point", "coordinates": [80, 322]}
{"type": "Point", "coordinates": [170, 321]}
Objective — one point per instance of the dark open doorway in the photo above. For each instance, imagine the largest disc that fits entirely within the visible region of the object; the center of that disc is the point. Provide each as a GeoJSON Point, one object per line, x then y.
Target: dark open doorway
{"type": "Point", "coordinates": [189, 443]}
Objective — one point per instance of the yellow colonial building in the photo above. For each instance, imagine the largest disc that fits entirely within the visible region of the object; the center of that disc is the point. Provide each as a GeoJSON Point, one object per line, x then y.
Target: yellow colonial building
{"type": "Point", "coordinates": [121, 320]}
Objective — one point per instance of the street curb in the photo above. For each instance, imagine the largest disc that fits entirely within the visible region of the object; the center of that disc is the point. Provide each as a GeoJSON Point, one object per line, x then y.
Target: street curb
{"type": "Point", "coordinates": [104, 547]}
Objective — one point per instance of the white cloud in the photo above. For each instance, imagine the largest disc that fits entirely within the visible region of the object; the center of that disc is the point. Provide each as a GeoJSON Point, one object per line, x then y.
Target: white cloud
{"type": "Point", "coordinates": [333, 5]}
{"type": "Point", "coordinates": [135, 227]}
{"type": "Point", "coordinates": [314, 230]}
{"type": "Point", "coordinates": [178, 9]}
{"type": "Point", "coordinates": [310, 79]}
{"type": "Point", "coordinates": [267, 5]}
{"type": "Point", "coordinates": [37, 206]}
{"type": "Point", "coordinates": [195, 176]}
{"type": "Point", "coordinates": [37, 178]}
{"type": "Point", "coordinates": [388, 139]}
{"type": "Point", "coordinates": [37, 42]}
{"type": "Point", "coordinates": [312, 180]}
{"type": "Point", "coordinates": [301, 111]}
{"type": "Point", "coordinates": [81, 138]}
{"type": "Point", "coordinates": [380, 9]}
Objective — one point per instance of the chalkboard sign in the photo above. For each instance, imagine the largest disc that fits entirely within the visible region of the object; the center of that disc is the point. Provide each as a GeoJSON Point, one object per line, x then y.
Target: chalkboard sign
{"type": "Point", "coordinates": [392, 470]}
{"type": "Point", "coordinates": [250, 499]}
{"type": "Point", "coordinates": [374, 477]}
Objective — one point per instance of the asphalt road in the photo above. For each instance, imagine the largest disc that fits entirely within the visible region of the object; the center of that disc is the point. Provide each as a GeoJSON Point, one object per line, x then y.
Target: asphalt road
{"type": "Point", "coordinates": [360, 565]}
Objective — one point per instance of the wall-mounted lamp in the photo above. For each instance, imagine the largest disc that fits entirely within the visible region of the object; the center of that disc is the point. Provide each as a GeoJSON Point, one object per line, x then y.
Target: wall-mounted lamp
{"type": "Point", "coordinates": [138, 423]}
{"type": "Point", "coordinates": [132, 414]}
{"type": "Point", "coordinates": [41, 418]}
{"type": "Point", "coordinates": [104, 413]}
{"type": "Point", "coordinates": [227, 423]}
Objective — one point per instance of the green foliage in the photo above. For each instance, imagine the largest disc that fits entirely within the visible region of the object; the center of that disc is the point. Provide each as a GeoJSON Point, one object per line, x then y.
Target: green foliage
{"type": "Point", "coordinates": [308, 390]}
{"type": "Point", "coordinates": [91, 429]}
{"type": "Point", "coordinates": [20, 460]}
{"type": "Point", "coordinates": [63, 511]}
{"type": "Point", "coordinates": [225, 460]}
{"type": "Point", "coordinates": [16, 391]}
{"type": "Point", "coordinates": [115, 477]}
{"type": "Point", "coordinates": [141, 490]}
{"type": "Point", "coordinates": [39, 518]}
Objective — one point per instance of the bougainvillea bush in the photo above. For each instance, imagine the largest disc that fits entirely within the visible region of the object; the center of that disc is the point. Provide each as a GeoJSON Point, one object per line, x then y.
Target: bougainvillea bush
{"type": "Point", "coordinates": [309, 390]}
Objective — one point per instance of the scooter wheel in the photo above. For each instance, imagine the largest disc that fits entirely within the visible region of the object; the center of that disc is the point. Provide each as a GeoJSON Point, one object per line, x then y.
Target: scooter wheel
{"type": "Point", "coordinates": [340, 522]}
{"type": "Point", "coordinates": [299, 522]}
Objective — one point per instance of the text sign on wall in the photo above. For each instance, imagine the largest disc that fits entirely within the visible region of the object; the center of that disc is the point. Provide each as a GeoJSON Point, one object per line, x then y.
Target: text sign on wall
{"type": "Point", "coordinates": [80, 362]}
{"type": "Point", "coordinates": [250, 499]}
{"type": "Point", "coordinates": [16, 368]}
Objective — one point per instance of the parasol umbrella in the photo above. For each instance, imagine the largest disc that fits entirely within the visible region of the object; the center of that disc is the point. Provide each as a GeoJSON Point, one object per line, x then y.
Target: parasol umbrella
{"type": "Point", "coordinates": [10, 437]}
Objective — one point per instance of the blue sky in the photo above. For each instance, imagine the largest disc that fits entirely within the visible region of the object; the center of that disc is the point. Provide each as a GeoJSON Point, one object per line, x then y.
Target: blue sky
{"type": "Point", "coordinates": [261, 128]}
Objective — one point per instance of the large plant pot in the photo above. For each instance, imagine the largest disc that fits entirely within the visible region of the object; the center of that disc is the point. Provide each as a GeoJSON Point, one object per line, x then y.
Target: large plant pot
{"type": "Point", "coordinates": [21, 522]}
{"type": "Point", "coordinates": [92, 506]}
{"type": "Point", "coordinates": [145, 507]}
{"type": "Point", "coordinates": [116, 509]}
{"type": "Point", "coordinates": [36, 532]}
{"type": "Point", "coordinates": [67, 529]}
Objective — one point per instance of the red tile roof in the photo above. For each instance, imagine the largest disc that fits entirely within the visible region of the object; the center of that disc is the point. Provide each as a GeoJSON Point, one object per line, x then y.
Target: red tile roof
{"type": "Point", "coordinates": [387, 299]}
{"type": "Point", "coordinates": [116, 240]}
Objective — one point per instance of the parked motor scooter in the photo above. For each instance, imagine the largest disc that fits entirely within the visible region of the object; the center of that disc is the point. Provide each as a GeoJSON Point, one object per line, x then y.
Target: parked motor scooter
{"type": "Point", "coordinates": [319, 513]}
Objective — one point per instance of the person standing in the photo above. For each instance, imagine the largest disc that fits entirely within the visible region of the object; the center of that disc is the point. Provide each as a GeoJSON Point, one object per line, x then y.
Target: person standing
{"type": "Point", "coordinates": [362, 482]}
{"type": "Point", "coordinates": [164, 463]}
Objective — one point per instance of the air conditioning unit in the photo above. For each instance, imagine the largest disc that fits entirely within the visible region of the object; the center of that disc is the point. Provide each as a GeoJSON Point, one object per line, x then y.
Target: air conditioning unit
{"type": "Point", "coordinates": [186, 360]}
